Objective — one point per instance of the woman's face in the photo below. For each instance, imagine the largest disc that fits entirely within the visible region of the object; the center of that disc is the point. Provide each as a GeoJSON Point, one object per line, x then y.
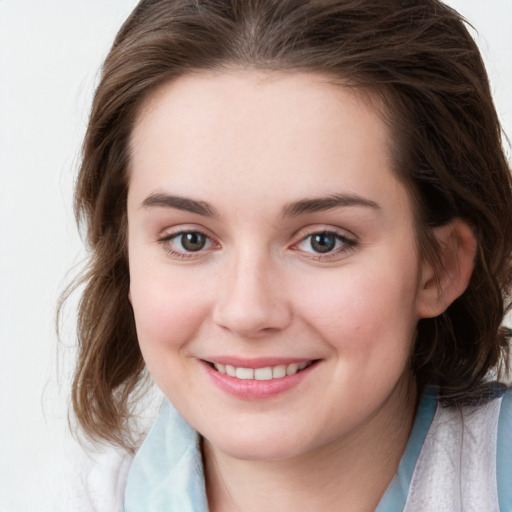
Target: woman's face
{"type": "Point", "coordinates": [275, 280]}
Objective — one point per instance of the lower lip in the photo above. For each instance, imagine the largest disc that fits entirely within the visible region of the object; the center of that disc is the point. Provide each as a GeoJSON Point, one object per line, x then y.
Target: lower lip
{"type": "Point", "coordinates": [252, 389]}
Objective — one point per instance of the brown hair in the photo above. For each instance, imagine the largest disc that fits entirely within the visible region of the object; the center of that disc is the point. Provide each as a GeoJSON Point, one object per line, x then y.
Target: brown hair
{"type": "Point", "coordinates": [416, 55]}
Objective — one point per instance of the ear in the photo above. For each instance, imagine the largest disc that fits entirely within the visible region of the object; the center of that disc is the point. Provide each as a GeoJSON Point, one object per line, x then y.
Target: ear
{"type": "Point", "coordinates": [441, 285]}
{"type": "Point", "coordinates": [130, 296]}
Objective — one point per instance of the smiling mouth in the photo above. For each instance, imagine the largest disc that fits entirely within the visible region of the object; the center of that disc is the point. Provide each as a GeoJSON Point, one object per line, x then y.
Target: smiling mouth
{"type": "Point", "coordinates": [265, 373]}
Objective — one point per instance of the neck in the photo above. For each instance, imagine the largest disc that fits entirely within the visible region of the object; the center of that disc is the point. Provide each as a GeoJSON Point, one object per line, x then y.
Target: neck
{"type": "Point", "coordinates": [353, 470]}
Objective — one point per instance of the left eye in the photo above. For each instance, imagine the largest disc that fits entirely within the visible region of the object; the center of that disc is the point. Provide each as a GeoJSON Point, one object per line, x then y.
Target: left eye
{"type": "Point", "coordinates": [324, 242]}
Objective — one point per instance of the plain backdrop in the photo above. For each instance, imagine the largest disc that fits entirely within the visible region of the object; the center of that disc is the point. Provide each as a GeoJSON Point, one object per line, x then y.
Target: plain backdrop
{"type": "Point", "coordinates": [50, 54]}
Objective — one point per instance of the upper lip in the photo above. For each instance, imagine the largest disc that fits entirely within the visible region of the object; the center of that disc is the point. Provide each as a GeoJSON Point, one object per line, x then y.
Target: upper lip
{"type": "Point", "coordinates": [257, 362]}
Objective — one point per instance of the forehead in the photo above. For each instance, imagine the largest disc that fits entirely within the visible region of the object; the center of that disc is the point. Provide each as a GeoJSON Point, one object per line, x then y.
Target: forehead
{"type": "Point", "coordinates": [244, 134]}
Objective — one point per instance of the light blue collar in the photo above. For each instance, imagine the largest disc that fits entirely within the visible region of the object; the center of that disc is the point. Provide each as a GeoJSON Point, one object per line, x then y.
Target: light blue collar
{"type": "Point", "coordinates": [396, 494]}
{"type": "Point", "coordinates": [167, 472]}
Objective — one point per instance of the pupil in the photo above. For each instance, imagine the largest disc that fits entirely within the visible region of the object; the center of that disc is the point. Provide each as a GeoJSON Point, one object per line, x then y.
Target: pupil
{"type": "Point", "coordinates": [323, 242]}
{"type": "Point", "coordinates": [193, 241]}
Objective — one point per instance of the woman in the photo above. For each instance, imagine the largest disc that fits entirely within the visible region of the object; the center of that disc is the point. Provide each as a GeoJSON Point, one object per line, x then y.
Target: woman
{"type": "Point", "coordinates": [299, 216]}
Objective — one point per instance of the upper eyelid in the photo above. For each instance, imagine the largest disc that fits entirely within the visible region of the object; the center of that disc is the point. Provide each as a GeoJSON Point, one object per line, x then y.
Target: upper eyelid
{"type": "Point", "coordinates": [304, 232]}
{"type": "Point", "coordinates": [174, 234]}
{"type": "Point", "coordinates": [172, 231]}
{"type": "Point", "coordinates": [342, 236]}
{"type": "Point", "coordinates": [177, 234]}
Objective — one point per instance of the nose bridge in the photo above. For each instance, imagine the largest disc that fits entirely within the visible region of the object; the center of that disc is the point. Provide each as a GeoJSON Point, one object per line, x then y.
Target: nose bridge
{"type": "Point", "coordinates": [251, 300]}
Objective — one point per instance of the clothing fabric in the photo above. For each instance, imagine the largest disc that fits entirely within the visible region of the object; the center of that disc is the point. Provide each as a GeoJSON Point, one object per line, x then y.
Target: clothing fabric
{"type": "Point", "coordinates": [79, 479]}
{"type": "Point", "coordinates": [458, 459]}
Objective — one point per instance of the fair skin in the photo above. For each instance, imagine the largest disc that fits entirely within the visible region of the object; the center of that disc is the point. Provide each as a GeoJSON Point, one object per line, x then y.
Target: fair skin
{"type": "Point", "coordinates": [267, 230]}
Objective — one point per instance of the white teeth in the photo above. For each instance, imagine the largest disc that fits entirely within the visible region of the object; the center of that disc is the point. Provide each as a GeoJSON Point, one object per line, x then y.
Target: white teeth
{"type": "Point", "coordinates": [279, 371]}
{"type": "Point", "coordinates": [220, 367]}
{"type": "Point", "coordinates": [245, 373]}
{"type": "Point", "coordinates": [266, 373]}
{"type": "Point", "coordinates": [263, 373]}
{"type": "Point", "coordinates": [292, 368]}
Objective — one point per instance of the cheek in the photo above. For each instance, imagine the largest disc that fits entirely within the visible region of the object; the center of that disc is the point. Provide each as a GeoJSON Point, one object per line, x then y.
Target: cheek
{"type": "Point", "coordinates": [364, 310]}
{"type": "Point", "coordinates": [168, 314]}
{"type": "Point", "coordinates": [167, 309]}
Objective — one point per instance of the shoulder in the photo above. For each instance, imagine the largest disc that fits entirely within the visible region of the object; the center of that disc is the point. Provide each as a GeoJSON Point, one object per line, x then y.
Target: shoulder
{"type": "Point", "coordinates": [105, 479]}
{"type": "Point", "coordinates": [92, 480]}
{"type": "Point", "coordinates": [459, 465]}
{"type": "Point", "coordinates": [504, 452]}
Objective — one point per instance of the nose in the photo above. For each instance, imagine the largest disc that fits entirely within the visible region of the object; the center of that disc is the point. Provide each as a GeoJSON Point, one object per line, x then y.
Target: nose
{"type": "Point", "coordinates": [252, 301]}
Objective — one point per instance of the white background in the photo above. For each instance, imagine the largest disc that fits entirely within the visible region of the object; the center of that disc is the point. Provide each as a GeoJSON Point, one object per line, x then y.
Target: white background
{"type": "Point", "coordinates": [50, 54]}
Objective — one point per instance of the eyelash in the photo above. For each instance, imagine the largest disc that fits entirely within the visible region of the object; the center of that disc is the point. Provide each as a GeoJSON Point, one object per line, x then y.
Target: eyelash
{"type": "Point", "coordinates": [345, 244]}
{"type": "Point", "coordinates": [166, 242]}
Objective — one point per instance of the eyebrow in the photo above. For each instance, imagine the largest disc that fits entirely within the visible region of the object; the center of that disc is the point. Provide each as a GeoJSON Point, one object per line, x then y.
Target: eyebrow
{"type": "Point", "coordinates": [180, 203]}
{"type": "Point", "coordinates": [320, 204]}
{"type": "Point", "coordinates": [293, 209]}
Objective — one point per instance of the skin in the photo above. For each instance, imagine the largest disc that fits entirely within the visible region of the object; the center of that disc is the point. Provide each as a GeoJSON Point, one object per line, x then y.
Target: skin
{"type": "Point", "coordinates": [250, 144]}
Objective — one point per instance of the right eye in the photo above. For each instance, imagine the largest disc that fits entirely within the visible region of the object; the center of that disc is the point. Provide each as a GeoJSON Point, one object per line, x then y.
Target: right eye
{"type": "Point", "coordinates": [185, 243]}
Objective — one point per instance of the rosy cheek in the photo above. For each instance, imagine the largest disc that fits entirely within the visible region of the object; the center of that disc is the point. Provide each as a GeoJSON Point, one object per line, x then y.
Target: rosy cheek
{"type": "Point", "coordinates": [356, 311]}
{"type": "Point", "coordinates": [166, 311]}
{"type": "Point", "coordinates": [337, 303]}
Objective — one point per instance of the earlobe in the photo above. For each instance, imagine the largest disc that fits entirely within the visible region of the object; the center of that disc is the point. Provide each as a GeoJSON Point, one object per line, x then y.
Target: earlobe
{"type": "Point", "coordinates": [441, 284]}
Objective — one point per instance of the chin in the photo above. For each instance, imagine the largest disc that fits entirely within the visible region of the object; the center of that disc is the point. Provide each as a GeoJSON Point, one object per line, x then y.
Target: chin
{"type": "Point", "coordinates": [260, 444]}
